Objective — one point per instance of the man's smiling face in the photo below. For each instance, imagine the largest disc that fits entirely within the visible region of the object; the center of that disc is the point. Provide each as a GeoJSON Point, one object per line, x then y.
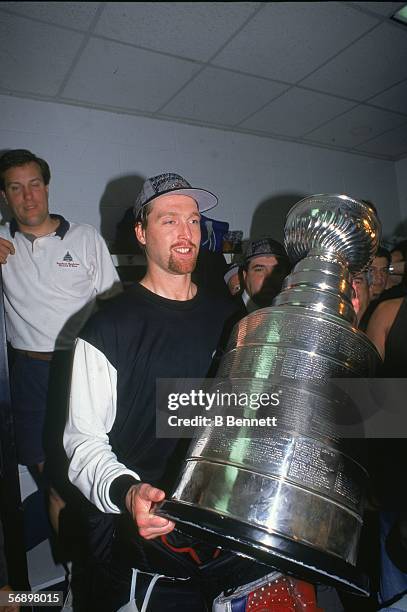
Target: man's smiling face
{"type": "Point", "coordinates": [173, 234]}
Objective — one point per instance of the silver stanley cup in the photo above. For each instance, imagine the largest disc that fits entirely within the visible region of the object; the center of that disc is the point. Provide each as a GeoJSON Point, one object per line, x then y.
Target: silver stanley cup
{"type": "Point", "coordinates": [292, 496]}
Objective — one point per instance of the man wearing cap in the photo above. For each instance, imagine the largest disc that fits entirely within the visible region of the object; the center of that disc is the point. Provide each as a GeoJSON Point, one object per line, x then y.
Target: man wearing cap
{"type": "Point", "coordinates": [163, 327]}
{"type": "Point", "coordinates": [266, 264]}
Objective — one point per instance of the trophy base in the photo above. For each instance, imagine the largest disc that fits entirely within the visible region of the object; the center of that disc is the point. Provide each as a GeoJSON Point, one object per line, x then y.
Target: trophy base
{"type": "Point", "coordinates": [270, 549]}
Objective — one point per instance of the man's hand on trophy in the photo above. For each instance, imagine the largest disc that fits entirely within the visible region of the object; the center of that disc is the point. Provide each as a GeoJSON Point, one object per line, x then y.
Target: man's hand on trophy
{"type": "Point", "coordinates": [140, 502]}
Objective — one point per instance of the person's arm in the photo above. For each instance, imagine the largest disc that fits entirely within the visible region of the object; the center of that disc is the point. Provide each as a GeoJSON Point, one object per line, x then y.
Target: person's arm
{"type": "Point", "coordinates": [93, 465]}
{"type": "Point", "coordinates": [106, 278]}
{"type": "Point", "coordinates": [380, 323]}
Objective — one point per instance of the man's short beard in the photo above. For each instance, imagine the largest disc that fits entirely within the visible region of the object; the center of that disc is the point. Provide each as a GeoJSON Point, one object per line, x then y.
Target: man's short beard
{"type": "Point", "coordinates": [181, 267]}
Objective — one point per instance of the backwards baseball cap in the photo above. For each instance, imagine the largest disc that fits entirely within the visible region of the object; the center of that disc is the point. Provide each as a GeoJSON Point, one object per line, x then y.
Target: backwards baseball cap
{"type": "Point", "coordinates": [172, 183]}
{"type": "Point", "coordinates": [264, 246]}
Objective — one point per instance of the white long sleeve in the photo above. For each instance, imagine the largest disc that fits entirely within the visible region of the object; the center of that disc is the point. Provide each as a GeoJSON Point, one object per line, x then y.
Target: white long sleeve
{"type": "Point", "coordinates": [92, 411]}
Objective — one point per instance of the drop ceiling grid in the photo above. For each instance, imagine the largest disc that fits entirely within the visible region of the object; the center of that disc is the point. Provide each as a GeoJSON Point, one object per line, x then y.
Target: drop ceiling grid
{"type": "Point", "coordinates": [243, 65]}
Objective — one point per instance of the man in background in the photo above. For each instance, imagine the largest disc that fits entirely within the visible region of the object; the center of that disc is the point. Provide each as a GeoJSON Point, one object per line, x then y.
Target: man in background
{"type": "Point", "coordinates": [53, 270]}
{"type": "Point", "coordinates": [377, 276]}
{"type": "Point", "coordinates": [378, 273]}
{"type": "Point", "coordinates": [265, 266]}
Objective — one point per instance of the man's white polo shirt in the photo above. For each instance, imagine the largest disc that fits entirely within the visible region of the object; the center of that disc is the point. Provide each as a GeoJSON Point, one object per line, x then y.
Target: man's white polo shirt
{"type": "Point", "coordinates": [51, 282]}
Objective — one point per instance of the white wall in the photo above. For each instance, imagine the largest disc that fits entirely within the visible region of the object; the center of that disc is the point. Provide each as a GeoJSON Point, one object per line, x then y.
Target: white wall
{"type": "Point", "coordinates": [99, 159]}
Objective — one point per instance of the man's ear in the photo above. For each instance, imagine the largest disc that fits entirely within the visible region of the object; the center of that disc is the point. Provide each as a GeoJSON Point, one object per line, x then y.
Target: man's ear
{"type": "Point", "coordinates": [3, 195]}
{"type": "Point", "coordinates": [140, 233]}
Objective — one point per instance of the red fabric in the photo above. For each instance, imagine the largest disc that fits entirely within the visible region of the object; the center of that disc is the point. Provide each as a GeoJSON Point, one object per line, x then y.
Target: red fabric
{"type": "Point", "coordinates": [284, 595]}
{"type": "Point", "coordinates": [187, 549]}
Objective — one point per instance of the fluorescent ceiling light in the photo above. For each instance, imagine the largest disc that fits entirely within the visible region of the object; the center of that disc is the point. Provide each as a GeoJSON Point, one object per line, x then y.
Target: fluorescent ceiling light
{"type": "Point", "coordinates": [401, 14]}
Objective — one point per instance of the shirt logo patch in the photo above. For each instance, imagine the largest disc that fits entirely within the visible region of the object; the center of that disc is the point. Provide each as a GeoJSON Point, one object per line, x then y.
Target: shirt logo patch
{"type": "Point", "coordinates": [67, 261]}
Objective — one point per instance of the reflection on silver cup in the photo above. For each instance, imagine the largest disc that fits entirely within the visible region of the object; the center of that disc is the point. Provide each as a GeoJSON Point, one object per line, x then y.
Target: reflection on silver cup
{"type": "Point", "coordinates": [292, 497]}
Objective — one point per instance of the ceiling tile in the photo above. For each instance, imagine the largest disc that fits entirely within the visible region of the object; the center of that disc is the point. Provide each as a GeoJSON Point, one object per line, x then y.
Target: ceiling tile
{"type": "Point", "coordinates": [288, 40]}
{"type": "Point", "coordinates": [282, 42]}
{"type": "Point", "coordinates": [386, 9]}
{"type": "Point", "coordinates": [296, 112]}
{"type": "Point", "coordinates": [76, 15]}
{"type": "Point", "coordinates": [392, 143]}
{"type": "Point", "coordinates": [34, 57]}
{"type": "Point", "coordinates": [394, 98]}
{"type": "Point", "coordinates": [191, 29]}
{"type": "Point", "coordinates": [356, 126]}
{"type": "Point", "coordinates": [112, 74]}
{"type": "Point", "coordinates": [220, 96]}
{"type": "Point", "coordinates": [370, 65]}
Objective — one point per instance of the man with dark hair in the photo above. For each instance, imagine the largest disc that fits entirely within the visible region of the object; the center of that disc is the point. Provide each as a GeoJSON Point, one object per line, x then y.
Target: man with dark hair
{"type": "Point", "coordinates": [378, 273]}
{"type": "Point", "coordinates": [266, 264]}
{"type": "Point", "coordinates": [22, 157]}
{"type": "Point", "coordinates": [377, 276]}
{"type": "Point", "coordinates": [396, 278]}
{"type": "Point", "coordinates": [163, 327]}
{"type": "Point", "coordinates": [52, 272]}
